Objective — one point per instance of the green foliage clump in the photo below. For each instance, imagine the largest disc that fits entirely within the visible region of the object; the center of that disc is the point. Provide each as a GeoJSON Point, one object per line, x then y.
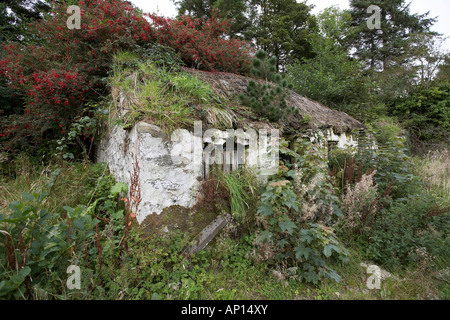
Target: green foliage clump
{"type": "Point", "coordinates": [171, 97]}
{"type": "Point", "coordinates": [268, 100]}
{"type": "Point", "coordinates": [289, 241]}
{"type": "Point", "coordinates": [331, 76]}
{"type": "Point", "coordinates": [242, 188]}
{"type": "Point", "coordinates": [39, 239]}
{"type": "Point", "coordinates": [426, 115]}
{"type": "Point", "coordinates": [396, 221]}
{"type": "Point", "coordinates": [392, 162]}
{"type": "Point", "coordinates": [294, 211]}
{"type": "Point", "coordinates": [40, 245]}
{"type": "Point", "coordinates": [412, 230]}
{"type": "Point", "coordinates": [387, 131]}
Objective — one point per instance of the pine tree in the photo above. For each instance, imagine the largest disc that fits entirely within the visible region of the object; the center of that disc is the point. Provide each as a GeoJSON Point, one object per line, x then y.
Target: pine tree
{"type": "Point", "coordinates": [14, 14]}
{"type": "Point", "coordinates": [268, 100]}
{"type": "Point", "coordinates": [382, 48]}
{"type": "Point", "coordinates": [281, 28]}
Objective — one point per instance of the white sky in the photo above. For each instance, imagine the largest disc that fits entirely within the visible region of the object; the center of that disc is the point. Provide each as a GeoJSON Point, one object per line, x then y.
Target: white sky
{"type": "Point", "coordinates": [437, 8]}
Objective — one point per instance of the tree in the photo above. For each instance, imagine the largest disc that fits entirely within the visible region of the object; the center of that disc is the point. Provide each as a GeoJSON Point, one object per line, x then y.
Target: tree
{"type": "Point", "coordinates": [268, 100]}
{"type": "Point", "coordinates": [331, 76]}
{"type": "Point", "coordinates": [427, 55]}
{"type": "Point", "coordinates": [234, 10]}
{"type": "Point", "coordinates": [426, 115]}
{"type": "Point", "coordinates": [444, 69]}
{"type": "Point", "coordinates": [281, 28]}
{"type": "Point", "coordinates": [14, 14]}
{"type": "Point", "coordinates": [382, 48]}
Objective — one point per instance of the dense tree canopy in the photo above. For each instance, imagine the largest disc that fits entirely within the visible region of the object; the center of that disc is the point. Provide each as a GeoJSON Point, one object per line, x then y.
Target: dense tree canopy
{"type": "Point", "coordinates": [282, 29]}
{"type": "Point", "coordinates": [235, 10]}
{"type": "Point", "coordinates": [279, 27]}
{"type": "Point", "coordinates": [380, 48]}
{"type": "Point", "coordinates": [15, 13]}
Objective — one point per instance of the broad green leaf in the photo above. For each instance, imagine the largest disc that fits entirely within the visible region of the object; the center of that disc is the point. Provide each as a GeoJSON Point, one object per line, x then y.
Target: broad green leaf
{"type": "Point", "coordinates": [301, 251]}
{"type": "Point", "coordinates": [117, 215]}
{"type": "Point", "coordinates": [118, 188]}
{"type": "Point", "coordinates": [27, 196]}
{"type": "Point", "coordinates": [266, 235]}
{"type": "Point", "coordinates": [25, 271]}
{"type": "Point", "coordinates": [265, 210]}
{"type": "Point", "coordinates": [287, 225]}
{"type": "Point", "coordinates": [327, 251]}
{"type": "Point", "coordinates": [79, 224]}
{"type": "Point", "coordinates": [334, 275]}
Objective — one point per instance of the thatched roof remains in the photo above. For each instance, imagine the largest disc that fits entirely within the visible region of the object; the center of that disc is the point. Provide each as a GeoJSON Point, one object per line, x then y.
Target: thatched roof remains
{"type": "Point", "coordinates": [230, 85]}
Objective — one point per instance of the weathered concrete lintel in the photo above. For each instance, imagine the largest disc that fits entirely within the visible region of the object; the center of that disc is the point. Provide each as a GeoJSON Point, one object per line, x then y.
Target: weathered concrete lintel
{"type": "Point", "coordinates": [210, 232]}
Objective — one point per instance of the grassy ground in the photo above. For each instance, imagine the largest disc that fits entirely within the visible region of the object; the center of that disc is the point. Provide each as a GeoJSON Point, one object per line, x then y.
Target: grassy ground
{"type": "Point", "coordinates": [226, 269]}
{"type": "Point", "coordinates": [434, 169]}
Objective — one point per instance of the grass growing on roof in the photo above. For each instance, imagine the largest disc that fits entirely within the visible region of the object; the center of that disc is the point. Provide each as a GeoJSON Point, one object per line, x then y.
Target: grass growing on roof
{"type": "Point", "coordinates": [170, 99]}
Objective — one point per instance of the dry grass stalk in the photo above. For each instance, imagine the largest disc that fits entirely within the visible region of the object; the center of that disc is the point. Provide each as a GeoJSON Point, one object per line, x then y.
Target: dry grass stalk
{"type": "Point", "coordinates": [434, 171]}
{"type": "Point", "coordinates": [132, 202]}
{"type": "Point", "coordinates": [358, 202]}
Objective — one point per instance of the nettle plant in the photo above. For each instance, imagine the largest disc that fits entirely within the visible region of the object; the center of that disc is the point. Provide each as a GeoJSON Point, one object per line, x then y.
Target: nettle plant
{"type": "Point", "coordinates": [294, 228]}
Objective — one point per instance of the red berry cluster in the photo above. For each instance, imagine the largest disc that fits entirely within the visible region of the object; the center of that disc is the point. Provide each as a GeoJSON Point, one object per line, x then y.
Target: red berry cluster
{"type": "Point", "coordinates": [203, 44]}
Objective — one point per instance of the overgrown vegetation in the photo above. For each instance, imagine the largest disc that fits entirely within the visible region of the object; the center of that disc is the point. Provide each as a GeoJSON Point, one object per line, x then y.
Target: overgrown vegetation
{"type": "Point", "coordinates": [304, 234]}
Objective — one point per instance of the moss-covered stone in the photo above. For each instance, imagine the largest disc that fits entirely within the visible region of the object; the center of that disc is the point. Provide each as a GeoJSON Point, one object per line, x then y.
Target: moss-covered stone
{"type": "Point", "coordinates": [171, 219]}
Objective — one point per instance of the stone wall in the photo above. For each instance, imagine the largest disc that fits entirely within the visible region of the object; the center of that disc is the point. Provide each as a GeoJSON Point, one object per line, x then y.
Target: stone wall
{"type": "Point", "coordinates": [163, 182]}
{"type": "Point", "coordinates": [171, 170]}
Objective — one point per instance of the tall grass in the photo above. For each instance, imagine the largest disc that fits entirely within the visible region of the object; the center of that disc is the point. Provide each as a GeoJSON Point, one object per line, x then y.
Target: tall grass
{"type": "Point", "coordinates": [434, 171]}
{"type": "Point", "coordinates": [243, 189]}
{"type": "Point", "coordinates": [169, 98]}
{"type": "Point", "coordinates": [68, 186]}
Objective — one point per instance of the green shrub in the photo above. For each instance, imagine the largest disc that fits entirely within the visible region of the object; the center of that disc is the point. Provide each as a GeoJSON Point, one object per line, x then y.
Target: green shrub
{"type": "Point", "coordinates": [293, 210]}
{"type": "Point", "coordinates": [392, 163]}
{"type": "Point", "coordinates": [410, 226]}
{"type": "Point", "coordinates": [40, 245]}
{"type": "Point", "coordinates": [38, 241]}
{"type": "Point", "coordinates": [426, 115]}
{"type": "Point", "coordinates": [338, 158]}
{"type": "Point", "coordinates": [387, 131]}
